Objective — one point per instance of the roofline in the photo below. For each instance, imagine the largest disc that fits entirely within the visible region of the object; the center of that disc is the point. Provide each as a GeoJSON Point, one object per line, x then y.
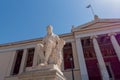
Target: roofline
{"type": "Point", "coordinates": [62, 35]}
{"type": "Point", "coordinates": [31, 40]}
{"type": "Point", "coordinates": [20, 42]}
{"type": "Point", "coordinates": [95, 21]}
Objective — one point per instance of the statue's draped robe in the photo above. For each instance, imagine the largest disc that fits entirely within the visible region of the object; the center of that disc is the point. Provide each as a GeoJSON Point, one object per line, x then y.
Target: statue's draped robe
{"type": "Point", "coordinates": [49, 50]}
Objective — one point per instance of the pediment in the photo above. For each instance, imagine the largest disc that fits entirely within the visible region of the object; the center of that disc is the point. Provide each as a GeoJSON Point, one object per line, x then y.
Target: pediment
{"type": "Point", "coordinates": [100, 23]}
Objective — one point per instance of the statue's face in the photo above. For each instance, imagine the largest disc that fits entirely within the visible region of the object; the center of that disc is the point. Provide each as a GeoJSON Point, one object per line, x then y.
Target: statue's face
{"type": "Point", "coordinates": [49, 29]}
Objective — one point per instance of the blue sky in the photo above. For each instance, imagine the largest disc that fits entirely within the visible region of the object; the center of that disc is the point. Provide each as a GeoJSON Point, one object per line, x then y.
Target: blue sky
{"type": "Point", "coordinates": [27, 19]}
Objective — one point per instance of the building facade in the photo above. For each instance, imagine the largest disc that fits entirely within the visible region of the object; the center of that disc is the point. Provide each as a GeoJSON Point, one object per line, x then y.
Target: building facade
{"type": "Point", "coordinates": [92, 52]}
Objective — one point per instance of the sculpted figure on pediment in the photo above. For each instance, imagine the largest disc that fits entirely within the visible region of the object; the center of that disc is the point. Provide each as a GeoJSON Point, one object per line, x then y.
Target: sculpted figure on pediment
{"type": "Point", "coordinates": [49, 51]}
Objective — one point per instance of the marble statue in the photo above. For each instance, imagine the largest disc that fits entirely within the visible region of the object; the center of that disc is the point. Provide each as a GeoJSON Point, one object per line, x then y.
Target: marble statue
{"type": "Point", "coordinates": [49, 50]}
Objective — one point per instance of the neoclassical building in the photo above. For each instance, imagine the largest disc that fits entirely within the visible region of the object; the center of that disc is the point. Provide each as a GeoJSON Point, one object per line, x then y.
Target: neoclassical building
{"type": "Point", "coordinates": [92, 52]}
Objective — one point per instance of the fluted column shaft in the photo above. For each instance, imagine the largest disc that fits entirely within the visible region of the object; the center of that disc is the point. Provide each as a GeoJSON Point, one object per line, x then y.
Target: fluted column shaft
{"type": "Point", "coordinates": [115, 44]}
{"type": "Point", "coordinates": [101, 62]}
{"type": "Point", "coordinates": [82, 64]}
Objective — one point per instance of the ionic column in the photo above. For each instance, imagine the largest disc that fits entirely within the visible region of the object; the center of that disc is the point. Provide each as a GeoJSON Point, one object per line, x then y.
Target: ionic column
{"type": "Point", "coordinates": [22, 65]}
{"type": "Point", "coordinates": [101, 63]}
{"type": "Point", "coordinates": [115, 44]}
{"type": "Point", "coordinates": [82, 64]}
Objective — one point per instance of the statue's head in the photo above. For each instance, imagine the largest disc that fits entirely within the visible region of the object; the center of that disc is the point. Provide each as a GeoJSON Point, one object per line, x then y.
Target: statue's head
{"type": "Point", "coordinates": [49, 29]}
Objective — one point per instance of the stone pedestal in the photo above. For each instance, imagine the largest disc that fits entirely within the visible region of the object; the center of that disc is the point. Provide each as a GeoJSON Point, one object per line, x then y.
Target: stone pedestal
{"type": "Point", "coordinates": [49, 72]}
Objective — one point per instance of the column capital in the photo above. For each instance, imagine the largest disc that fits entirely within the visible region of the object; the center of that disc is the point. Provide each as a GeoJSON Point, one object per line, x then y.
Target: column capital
{"type": "Point", "coordinates": [94, 36]}
{"type": "Point", "coordinates": [112, 34]}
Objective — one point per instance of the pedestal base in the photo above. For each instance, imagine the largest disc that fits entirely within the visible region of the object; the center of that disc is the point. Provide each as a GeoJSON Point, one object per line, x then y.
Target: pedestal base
{"type": "Point", "coordinates": [49, 72]}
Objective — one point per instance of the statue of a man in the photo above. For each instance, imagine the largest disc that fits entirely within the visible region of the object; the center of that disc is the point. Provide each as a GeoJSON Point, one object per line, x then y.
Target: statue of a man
{"type": "Point", "coordinates": [49, 50]}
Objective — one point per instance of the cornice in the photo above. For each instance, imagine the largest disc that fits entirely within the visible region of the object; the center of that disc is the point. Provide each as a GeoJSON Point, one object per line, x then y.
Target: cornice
{"type": "Point", "coordinates": [85, 26]}
{"type": "Point", "coordinates": [30, 41]}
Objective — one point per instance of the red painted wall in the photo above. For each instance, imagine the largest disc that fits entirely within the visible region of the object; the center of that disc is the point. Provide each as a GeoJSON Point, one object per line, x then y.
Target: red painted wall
{"type": "Point", "coordinates": [115, 65]}
{"type": "Point", "coordinates": [93, 70]}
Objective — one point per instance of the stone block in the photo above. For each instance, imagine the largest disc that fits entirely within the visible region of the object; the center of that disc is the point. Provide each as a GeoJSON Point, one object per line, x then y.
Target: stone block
{"type": "Point", "coordinates": [49, 72]}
